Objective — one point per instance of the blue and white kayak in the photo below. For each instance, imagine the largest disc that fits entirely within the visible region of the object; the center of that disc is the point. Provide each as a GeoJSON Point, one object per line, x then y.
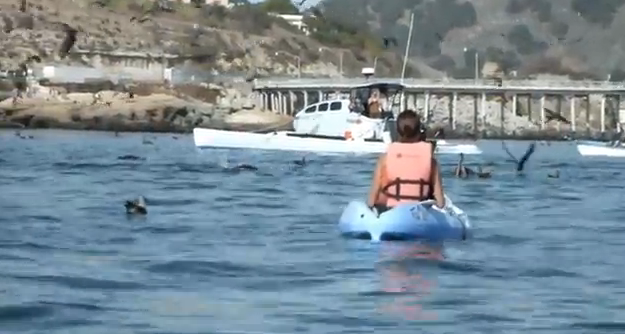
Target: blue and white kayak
{"type": "Point", "coordinates": [588, 148]}
{"type": "Point", "coordinates": [414, 221]}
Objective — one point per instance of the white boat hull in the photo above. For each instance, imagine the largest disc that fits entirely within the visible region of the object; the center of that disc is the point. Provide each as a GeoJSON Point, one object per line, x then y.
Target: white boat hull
{"type": "Point", "coordinates": [600, 151]}
{"type": "Point", "coordinates": [280, 141]}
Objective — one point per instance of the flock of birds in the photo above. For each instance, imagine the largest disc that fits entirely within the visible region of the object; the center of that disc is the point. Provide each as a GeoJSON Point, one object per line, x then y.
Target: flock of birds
{"type": "Point", "coordinates": [138, 206]}
{"type": "Point", "coordinates": [461, 171]}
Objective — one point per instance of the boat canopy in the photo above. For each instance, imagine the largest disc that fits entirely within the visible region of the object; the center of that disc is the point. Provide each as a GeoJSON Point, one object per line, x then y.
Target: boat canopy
{"type": "Point", "coordinates": [385, 85]}
{"type": "Point", "coordinates": [377, 99]}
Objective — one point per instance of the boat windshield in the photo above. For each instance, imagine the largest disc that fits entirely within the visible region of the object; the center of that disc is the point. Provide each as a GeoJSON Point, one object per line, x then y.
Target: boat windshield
{"type": "Point", "coordinates": [376, 100]}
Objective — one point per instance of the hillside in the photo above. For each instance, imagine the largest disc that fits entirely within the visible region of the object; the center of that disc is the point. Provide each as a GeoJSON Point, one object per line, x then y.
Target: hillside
{"type": "Point", "coordinates": [579, 38]}
{"type": "Point", "coordinates": [236, 40]}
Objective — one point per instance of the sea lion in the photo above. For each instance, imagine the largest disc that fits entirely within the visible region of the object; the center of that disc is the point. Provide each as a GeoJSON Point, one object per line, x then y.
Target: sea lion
{"type": "Point", "coordinates": [137, 206]}
{"type": "Point", "coordinates": [245, 167]}
{"type": "Point", "coordinates": [554, 175]}
{"type": "Point", "coordinates": [483, 174]}
{"type": "Point", "coordinates": [129, 157]}
{"type": "Point", "coordinates": [300, 163]}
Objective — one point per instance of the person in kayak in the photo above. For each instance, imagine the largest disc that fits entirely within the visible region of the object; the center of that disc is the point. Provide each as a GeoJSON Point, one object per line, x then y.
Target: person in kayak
{"type": "Point", "coordinates": [408, 171]}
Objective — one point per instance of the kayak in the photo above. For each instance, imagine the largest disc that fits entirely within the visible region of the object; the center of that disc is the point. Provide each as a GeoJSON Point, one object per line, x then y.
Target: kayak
{"type": "Point", "coordinates": [410, 221]}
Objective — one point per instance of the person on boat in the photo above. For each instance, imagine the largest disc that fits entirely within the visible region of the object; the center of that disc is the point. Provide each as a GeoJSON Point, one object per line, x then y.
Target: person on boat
{"type": "Point", "coordinates": [619, 136]}
{"type": "Point", "coordinates": [408, 171]}
{"type": "Point", "coordinates": [356, 105]}
{"type": "Point", "coordinates": [374, 106]}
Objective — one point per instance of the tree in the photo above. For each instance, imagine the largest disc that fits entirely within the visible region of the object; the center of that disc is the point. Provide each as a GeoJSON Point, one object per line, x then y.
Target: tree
{"type": "Point", "coordinates": [279, 7]}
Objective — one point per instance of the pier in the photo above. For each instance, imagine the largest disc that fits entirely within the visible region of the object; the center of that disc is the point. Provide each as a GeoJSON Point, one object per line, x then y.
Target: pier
{"type": "Point", "coordinates": [488, 107]}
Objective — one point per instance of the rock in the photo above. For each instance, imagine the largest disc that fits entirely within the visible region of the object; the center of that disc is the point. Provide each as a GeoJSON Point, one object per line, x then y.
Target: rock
{"type": "Point", "coordinates": [153, 108]}
{"type": "Point", "coordinates": [248, 105]}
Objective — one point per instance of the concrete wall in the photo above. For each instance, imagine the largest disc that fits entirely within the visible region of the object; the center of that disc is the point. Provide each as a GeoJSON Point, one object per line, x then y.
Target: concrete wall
{"type": "Point", "coordinates": [112, 66]}
{"type": "Point", "coordinates": [63, 73]}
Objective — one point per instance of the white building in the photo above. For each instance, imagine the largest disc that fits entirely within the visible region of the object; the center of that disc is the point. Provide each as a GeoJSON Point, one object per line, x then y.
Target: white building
{"type": "Point", "coordinates": [295, 20]}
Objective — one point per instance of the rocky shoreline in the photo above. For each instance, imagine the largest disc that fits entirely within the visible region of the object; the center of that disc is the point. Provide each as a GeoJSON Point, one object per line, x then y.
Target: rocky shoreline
{"type": "Point", "coordinates": [152, 107]}
{"type": "Point", "coordinates": [139, 108]}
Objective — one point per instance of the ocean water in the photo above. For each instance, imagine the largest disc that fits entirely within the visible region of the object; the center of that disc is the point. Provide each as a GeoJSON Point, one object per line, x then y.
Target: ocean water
{"type": "Point", "coordinates": [226, 251]}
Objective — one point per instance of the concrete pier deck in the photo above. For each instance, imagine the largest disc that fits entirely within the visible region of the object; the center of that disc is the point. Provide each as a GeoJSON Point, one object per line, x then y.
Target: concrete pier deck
{"type": "Point", "coordinates": [487, 107]}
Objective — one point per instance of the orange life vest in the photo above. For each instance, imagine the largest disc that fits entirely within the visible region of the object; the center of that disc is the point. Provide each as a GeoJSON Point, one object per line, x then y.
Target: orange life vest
{"type": "Point", "coordinates": [408, 173]}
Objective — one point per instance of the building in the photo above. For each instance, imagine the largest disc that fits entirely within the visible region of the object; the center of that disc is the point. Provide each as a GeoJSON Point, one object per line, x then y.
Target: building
{"type": "Point", "coordinates": [224, 3]}
{"type": "Point", "coordinates": [294, 20]}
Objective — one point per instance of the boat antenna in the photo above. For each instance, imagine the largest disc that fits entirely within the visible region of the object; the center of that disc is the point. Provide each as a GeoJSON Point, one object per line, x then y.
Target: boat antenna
{"type": "Point", "coordinates": [403, 68]}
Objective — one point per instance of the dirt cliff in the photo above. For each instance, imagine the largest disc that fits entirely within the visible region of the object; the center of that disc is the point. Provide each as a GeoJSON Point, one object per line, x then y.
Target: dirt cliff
{"type": "Point", "coordinates": [240, 39]}
{"type": "Point", "coordinates": [577, 38]}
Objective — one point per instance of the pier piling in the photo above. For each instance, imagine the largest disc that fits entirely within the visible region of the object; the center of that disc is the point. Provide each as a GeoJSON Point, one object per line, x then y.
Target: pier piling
{"type": "Point", "coordinates": [472, 107]}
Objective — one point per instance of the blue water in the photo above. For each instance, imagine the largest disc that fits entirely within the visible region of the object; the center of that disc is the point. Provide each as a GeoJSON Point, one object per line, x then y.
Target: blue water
{"type": "Point", "coordinates": [222, 251]}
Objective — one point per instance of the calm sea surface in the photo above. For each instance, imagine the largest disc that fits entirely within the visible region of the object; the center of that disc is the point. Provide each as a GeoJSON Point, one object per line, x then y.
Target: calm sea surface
{"type": "Point", "coordinates": [222, 251]}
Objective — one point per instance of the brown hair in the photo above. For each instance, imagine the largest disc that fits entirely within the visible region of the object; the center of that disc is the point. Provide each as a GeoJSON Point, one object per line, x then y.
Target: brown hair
{"type": "Point", "coordinates": [409, 125]}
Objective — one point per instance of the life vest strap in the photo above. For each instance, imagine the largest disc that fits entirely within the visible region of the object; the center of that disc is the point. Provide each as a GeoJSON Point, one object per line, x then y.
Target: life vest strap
{"type": "Point", "coordinates": [397, 193]}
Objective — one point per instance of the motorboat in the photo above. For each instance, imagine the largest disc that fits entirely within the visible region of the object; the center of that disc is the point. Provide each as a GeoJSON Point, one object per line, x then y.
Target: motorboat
{"type": "Point", "coordinates": [337, 125]}
{"type": "Point", "coordinates": [587, 148]}
{"type": "Point", "coordinates": [290, 141]}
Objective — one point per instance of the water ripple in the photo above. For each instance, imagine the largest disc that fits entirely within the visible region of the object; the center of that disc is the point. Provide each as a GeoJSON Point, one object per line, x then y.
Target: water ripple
{"type": "Point", "coordinates": [229, 251]}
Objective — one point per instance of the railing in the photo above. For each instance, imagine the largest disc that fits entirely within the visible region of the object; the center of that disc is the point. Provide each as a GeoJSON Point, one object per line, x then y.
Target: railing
{"type": "Point", "coordinates": [485, 83]}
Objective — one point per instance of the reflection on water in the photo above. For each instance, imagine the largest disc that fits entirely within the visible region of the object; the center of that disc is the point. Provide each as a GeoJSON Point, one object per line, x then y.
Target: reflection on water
{"type": "Point", "coordinates": [401, 280]}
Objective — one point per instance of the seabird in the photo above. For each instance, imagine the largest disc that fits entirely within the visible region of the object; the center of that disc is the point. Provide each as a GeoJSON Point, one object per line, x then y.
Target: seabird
{"type": "Point", "coordinates": [23, 5]}
{"type": "Point", "coordinates": [461, 171]}
{"type": "Point", "coordinates": [389, 41]}
{"type": "Point", "coordinates": [69, 41]}
{"type": "Point", "coordinates": [137, 206]}
{"type": "Point", "coordinates": [520, 163]}
{"type": "Point", "coordinates": [551, 115]}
